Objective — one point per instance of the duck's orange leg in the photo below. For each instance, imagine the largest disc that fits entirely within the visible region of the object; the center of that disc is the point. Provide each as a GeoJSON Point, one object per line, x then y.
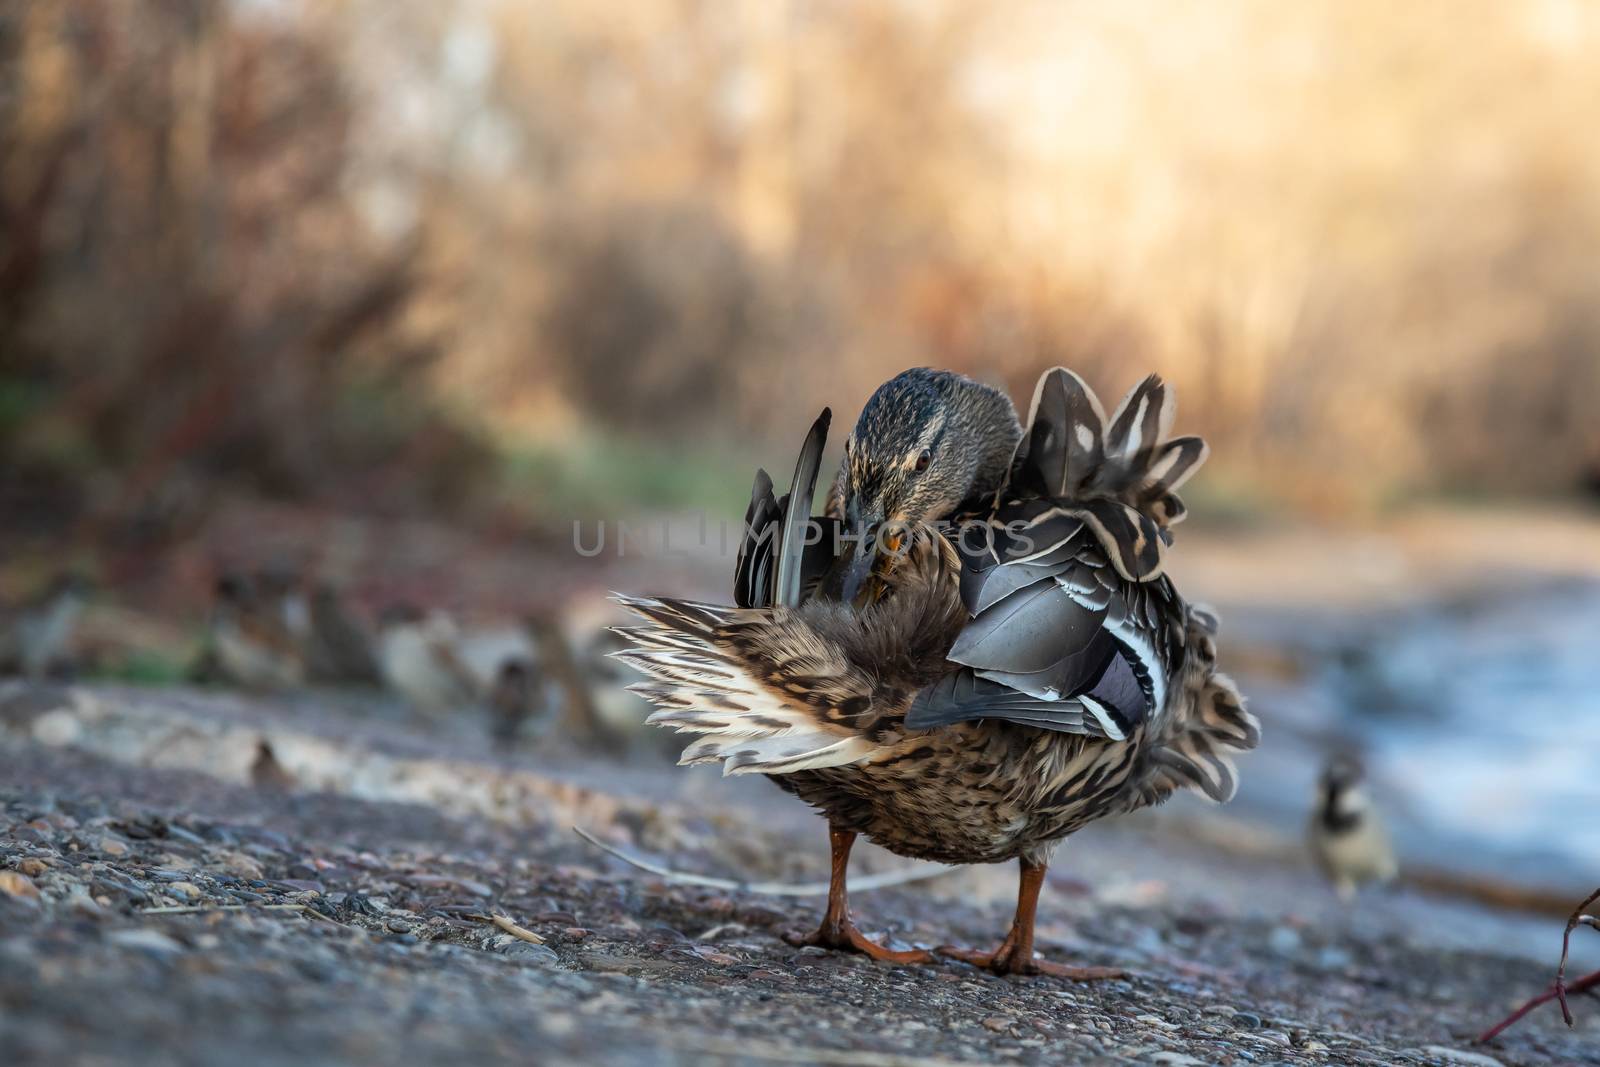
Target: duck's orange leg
{"type": "Point", "coordinates": [837, 930]}
{"type": "Point", "coordinates": [1015, 954]}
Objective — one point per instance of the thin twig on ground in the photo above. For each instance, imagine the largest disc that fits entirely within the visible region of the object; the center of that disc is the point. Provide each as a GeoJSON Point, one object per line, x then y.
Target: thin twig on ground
{"type": "Point", "coordinates": [771, 889]}
{"type": "Point", "coordinates": [194, 909]}
{"type": "Point", "coordinates": [514, 930]}
{"type": "Point", "coordinates": [1559, 988]}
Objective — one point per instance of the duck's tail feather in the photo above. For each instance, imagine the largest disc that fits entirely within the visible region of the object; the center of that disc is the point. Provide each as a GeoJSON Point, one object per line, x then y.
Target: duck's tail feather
{"type": "Point", "coordinates": [1192, 748]}
{"type": "Point", "coordinates": [781, 553]}
{"type": "Point", "coordinates": [792, 546]}
{"type": "Point", "coordinates": [765, 692]}
{"type": "Point", "coordinates": [1122, 472]}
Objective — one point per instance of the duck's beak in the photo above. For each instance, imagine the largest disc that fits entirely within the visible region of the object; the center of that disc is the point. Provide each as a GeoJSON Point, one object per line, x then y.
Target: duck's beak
{"type": "Point", "coordinates": [865, 546]}
{"type": "Point", "coordinates": [851, 570]}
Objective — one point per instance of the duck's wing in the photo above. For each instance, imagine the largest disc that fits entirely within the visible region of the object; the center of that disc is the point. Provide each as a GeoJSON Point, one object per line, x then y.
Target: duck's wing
{"type": "Point", "coordinates": [768, 692]}
{"type": "Point", "coordinates": [1058, 638]}
{"type": "Point", "coordinates": [782, 558]}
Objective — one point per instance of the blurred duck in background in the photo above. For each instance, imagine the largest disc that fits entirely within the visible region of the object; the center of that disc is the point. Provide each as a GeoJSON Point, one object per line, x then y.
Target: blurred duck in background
{"type": "Point", "coordinates": [338, 649]}
{"type": "Point", "coordinates": [516, 699]}
{"type": "Point", "coordinates": [279, 590]}
{"type": "Point", "coordinates": [38, 639]}
{"type": "Point", "coordinates": [249, 640]}
{"type": "Point", "coordinates": [1347, 836]}
{"type": "Point", "coordinates": [419, 659]}
{"type": "Point", "coordinates": [575, 649]}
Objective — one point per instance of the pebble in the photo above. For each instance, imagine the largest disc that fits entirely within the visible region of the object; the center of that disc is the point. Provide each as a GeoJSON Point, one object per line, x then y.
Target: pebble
{"type": "Point", "coordinates": [1284, 940]}
{"type": "Point", "coordinates": [238, 863]}
{"type": "Point", "coordinates": [111, 846]}
{"type": "Point", "coordinates": [1454, 1055]}
{"type": "Point", "coordinates": [997, 1023]}
{"type": "Point", "coordinates": [142, 939]}
{"type": "Point", "coordinates": [1333, 958]}
{"type": "Point", "coordinates": [1176, 1059]}
{"type": "Point", "coordinates": [1247, 1019]}
{"type": "Point", "coordinates": [107, 885]}
{"type": "Point", "coordinates": [185, 890]}
{"type": "Point", "coordinates": [17, 884]}
{"type": "Point", "coordinates": [527, 952]}
{"type": "Point", "coordinates": [33, 868]}
{"type": "Point", "coordinates": [762, 975]}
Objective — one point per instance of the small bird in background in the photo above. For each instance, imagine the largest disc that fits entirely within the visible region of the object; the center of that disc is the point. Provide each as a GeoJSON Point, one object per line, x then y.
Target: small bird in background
{"type": "Point", "coordinates": [338, 649]}
{"type": "Point", "coordinates": [266, 772]}
{"type": "Point", "coordinates": [514, 699]}
{"type": "Point", "coordinates": [420, 662]}
{"type": "Point", "coordinates": [1347, 836]}
{"type": "Point", "coordinates": [249, 641]}
{"type": "Point", "coordinates": [280, 591]}
{"type": "Point", "coordinates": [38, 638]}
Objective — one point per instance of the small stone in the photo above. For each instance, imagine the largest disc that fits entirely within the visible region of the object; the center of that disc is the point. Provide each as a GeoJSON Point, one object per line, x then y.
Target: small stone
{"type": "Point", "coordinates": [185, 890]}
{"type": "Point", "coordinates": [237, 863]}
{"type": "Point", "coordinates": [1157, 1022]}
{"type": "Point", "coordinates": [33, 868]}
{"type": "Point", "coordinates": [527, 952]}
{"type": "Point", "coordinates": [1247, 1019]}
{"type": "Point", "coordinates": [1284, 940]}
{"type": "Point", "coordinates": [1176, 1059]}
{"type": "Point", "coordinates": [111, 846]}
{"type": "Point", "coordinates": [997, 1023]}
{"type": "Point", "coordinates": [1453, 1055]}
{"type": "Point", "coordinates": [57, 728]}
{"type": "Point", "coordinates": [17, 884]}
{"type": "Point", "coordinates": [142, 939]}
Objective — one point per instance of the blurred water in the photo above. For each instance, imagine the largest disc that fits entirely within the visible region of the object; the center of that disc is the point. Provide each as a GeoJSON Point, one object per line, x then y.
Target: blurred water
{"type": "Point", "coordinates": [1484, 723]}
{"type": "Point", "coordinates": [1479, 724]}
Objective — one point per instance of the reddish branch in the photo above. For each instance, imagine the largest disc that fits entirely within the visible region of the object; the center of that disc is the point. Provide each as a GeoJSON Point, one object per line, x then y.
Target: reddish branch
{"type": "Point", "coordinates": [1559, 989]}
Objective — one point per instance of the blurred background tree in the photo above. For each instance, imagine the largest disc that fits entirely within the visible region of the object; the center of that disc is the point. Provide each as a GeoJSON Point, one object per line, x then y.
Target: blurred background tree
{"type": "Point", "coordinates": [376, 254]}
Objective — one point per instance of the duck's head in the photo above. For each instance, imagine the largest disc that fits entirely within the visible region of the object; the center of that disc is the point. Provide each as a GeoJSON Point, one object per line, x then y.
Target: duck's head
{"type": "Point", "coordinates": [928, 445]}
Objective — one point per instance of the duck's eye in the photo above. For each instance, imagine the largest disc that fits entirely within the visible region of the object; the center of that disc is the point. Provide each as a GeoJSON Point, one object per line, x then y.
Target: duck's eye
{"type": "Point", "coordinates": [923, 460]}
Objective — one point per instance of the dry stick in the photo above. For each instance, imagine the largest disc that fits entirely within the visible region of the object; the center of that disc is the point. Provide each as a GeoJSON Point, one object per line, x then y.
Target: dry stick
{"type": "Point", "coordinates": [773, 889]}
{"type": "Point", "coordinates": [191, 909]}
{"type": "Point", "coordinates": [514, 930]}
{"type": "Point", "coordinates": [1559, 989]}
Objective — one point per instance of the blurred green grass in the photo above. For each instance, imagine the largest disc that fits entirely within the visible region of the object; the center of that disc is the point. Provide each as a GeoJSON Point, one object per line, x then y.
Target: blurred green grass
{"type": "Point", "coordinates": [609, 475]}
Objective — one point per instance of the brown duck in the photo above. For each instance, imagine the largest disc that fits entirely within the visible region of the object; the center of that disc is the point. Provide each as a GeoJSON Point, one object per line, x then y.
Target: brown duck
{"type": "Point", "coordinates": [975, 651]}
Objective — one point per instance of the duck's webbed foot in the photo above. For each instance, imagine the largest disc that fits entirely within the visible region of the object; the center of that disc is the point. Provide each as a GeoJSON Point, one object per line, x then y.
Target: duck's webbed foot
{"type": "Point", "coordinates": [842, 936]}
{"type": "Point", "coordinates": [1008, 960]}
{"type": "Point", "coordinates": [837, 930]}
{"type": "Point", "coordinates": [1015, 954]}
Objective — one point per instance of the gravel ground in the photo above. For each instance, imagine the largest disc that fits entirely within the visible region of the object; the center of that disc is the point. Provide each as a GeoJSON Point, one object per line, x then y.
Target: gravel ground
{"type": "Point", "coordinates": [150, 913]}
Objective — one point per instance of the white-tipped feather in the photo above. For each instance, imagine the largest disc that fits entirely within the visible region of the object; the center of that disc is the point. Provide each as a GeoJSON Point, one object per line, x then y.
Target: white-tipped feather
{"type": "Point", "coordinates": [742, 723]}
